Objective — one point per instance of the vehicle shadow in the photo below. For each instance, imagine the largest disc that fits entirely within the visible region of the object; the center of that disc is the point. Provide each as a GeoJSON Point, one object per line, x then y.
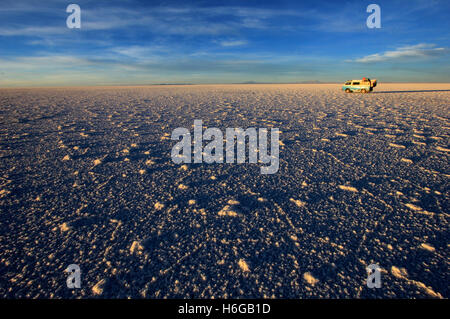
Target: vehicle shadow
{"type": "Point", "coordinates": [415, 91]}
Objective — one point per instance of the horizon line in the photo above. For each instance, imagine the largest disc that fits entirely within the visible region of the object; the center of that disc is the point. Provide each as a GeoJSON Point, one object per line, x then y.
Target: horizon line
{"type": "Point", "coordinates": [206, 83]}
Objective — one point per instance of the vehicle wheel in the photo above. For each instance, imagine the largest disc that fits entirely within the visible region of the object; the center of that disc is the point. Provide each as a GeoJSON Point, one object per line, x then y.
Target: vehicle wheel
{"type": "Point", "coordinates": [347, 91]}
{"type": "Point", "coordinates": [363, 91]}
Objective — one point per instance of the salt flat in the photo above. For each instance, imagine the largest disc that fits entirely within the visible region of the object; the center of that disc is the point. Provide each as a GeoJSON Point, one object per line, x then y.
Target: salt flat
{"type": "Point", "coordinates": [87, 178]}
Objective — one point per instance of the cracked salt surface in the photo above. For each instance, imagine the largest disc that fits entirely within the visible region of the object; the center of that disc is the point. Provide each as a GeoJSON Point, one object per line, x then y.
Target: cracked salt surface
{"type": "Point", "coordinates": [87, 178]}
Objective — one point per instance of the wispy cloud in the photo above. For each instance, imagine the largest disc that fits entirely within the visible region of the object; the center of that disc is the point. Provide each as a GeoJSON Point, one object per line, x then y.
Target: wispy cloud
{"type": "Point", "coordinates": [187, 20]}
{"type": "Point", "coordinates": [233, 43]}
{"type": "Point", "coordinates": [143, 67]}
{"type": "Point", "coordinates": [406, 53]}
{"type": "Point", "coordinates": [32, 31]}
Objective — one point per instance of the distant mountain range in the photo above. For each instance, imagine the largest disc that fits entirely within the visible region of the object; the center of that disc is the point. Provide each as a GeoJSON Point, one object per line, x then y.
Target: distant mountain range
{"type": "Point", "coordinates": [299, 82]}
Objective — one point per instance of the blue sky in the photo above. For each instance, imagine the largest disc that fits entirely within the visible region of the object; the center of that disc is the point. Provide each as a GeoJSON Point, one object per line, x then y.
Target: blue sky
{"type": "Point", "coordinates": [146, 42]}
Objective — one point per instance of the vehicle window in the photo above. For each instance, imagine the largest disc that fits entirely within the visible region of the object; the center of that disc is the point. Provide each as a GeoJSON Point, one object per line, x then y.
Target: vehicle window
{"type": "Point", "coordinates": [355, 83]}
{"type": "Point", "coordinates": [348, 83]}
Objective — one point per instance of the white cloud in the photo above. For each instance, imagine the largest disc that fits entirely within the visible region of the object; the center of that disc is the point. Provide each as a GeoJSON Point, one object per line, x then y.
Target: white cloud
{"type": "Point", "coordinates": [43, 62]}
{"type": "Point", "coordinates": [422, 50]}
{"type": "Point", "coordinates": [233, 43]}
{"type": "Point", "coordinates": [189, 20]}
{"type": "Point", "coordinates": [32, 31]}
{"type": "Point", "coordinates": [148, 65]}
